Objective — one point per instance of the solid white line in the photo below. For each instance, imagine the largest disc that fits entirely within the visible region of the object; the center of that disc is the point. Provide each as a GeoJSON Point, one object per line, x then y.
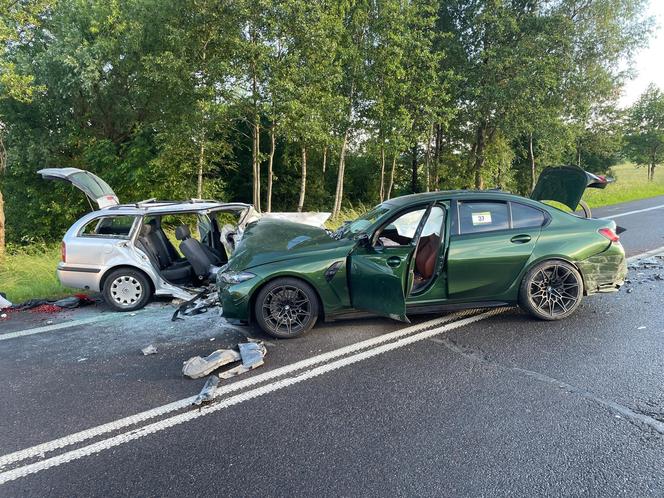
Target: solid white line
{"type": "Point", "coordinates": [234, 400]}
{"type": "Point", "coordinates": [628, 213]}
{"type": "Point", "coordinates": [56, 326]}
{"type": "Point", "coordinates": [116, 425]}
{"type": "Point", "coordinates": [646, 254]}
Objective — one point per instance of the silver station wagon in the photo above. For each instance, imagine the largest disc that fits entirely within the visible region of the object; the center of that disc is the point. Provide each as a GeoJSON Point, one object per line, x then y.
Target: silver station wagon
{"type": "Point", "coordinates": [127, 251]}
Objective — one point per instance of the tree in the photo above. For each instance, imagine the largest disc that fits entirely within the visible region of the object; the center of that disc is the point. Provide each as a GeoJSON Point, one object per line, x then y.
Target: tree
{"type": "Point", "coordinates": [17, 25]}
{"type": "Point", "coordinates": [644, 142]}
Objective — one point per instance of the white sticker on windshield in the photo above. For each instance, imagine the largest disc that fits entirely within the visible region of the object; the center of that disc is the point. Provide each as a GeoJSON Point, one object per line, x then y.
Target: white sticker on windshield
{"type": "Point", "coordinates": [483, 218]}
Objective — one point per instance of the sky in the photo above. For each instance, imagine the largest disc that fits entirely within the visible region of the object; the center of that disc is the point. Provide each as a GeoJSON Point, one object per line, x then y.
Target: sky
{"type": "Point", "coordinates": [649, 62]}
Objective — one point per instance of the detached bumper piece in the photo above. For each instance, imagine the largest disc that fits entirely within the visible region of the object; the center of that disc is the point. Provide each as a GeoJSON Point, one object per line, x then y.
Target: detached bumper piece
{"type": "Point", "coordinates": [251, 355]}
{"type": "Point", "coordinates": [604, 272]}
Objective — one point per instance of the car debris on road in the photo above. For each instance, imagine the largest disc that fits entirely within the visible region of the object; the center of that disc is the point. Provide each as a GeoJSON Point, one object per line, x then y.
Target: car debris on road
{"type": "Point", "coordinates": [208, 391]}
{"type": "Point", "coordinates": [250, 353]}
{"type": "Point", "coordinates": [149, 350]}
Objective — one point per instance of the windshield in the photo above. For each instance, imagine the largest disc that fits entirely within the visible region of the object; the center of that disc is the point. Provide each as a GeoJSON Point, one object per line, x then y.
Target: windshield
{"type": "Point", "coordinates": [352, 228]}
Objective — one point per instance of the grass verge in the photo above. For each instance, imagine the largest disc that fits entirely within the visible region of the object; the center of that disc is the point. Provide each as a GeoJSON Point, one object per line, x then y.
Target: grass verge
{"type": "Point", "coordinates": [29, 273]}
{"type": "Point", "coordinates": [631, 184]}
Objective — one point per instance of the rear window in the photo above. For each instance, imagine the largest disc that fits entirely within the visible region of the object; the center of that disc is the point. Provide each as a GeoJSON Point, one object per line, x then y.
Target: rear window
{"type": "Point", "coordinates": [477, 217]}
{"type": "Point", "coordinates": [115, 227]}
{"type": "Point", "coordinates": [526, 216]}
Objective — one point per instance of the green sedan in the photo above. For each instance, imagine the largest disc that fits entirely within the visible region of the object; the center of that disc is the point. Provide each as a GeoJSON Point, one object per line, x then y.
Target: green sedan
{"type": "Point", "coordinates": [427, 253]}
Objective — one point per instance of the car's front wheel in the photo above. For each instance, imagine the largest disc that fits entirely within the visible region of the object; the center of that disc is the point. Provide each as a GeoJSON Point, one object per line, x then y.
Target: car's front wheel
{"type": "Point", "coordinates": [286, 308]}
{"type": "Point", "coordinates": [551, 290]}
{"type": "Point", "coordinates": [126, 290]}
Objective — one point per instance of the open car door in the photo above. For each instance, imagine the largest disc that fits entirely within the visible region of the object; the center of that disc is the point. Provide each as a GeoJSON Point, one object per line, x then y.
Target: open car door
{"type": "Point", "coordinates": [379, 273]}
{"type": "Point", "coordinates": [566, 184]}
{"type": "Point", "coordinates": [97, 190]}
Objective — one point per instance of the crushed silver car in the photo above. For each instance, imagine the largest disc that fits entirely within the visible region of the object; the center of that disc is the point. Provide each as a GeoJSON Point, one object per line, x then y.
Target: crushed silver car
{"type": "Point", "coordinates": [125, 251]}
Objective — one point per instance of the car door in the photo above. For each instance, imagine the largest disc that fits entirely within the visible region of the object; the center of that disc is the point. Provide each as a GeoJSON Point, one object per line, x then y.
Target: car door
{"type": "Point", "coordinates": [488, 249]}
{"type": "Point", "coordinates": [379, 266]}
{"type": "Point", "coordinates": [97, 190]}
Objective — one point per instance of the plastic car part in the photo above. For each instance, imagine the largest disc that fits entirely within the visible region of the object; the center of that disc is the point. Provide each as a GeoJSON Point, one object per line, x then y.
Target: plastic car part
{"type": "Point", "coordinates": [252, 354]}
{"type": "Point", "coordinates": [197, 366]}
{"type": "Point", "coordinates": [208, 391]}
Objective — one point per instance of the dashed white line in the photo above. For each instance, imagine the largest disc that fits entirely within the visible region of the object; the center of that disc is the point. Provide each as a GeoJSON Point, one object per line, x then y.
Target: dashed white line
{"type": "Point", "coordinates": [116, 425]}
{"type": "Point", "coordinates": [234, 400]}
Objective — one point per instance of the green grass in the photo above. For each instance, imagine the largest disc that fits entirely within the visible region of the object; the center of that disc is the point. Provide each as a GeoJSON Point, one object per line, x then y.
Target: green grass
{"type": "Point", "coordinates": [631, 184]}
{"type": "Point", "coordinates": [30, 273]}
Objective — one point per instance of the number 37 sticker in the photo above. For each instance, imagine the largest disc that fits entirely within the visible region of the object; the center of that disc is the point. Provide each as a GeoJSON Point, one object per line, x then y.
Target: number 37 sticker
{"type": "Point", "coordinates": [483, 218]}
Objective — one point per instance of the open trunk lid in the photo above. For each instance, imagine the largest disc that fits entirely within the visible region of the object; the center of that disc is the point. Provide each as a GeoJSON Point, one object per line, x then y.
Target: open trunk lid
{"type": "Point", "coordinates": [95, 188]}
{"type": "Point", "coordinates": [566, 184]}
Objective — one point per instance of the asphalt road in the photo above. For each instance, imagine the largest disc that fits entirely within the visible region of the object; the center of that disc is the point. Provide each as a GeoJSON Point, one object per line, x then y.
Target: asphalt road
{"type": "Point", "coordinates": [487, 403]}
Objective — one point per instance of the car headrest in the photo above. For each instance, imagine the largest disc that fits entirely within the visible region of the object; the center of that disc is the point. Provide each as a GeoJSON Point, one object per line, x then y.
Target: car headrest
{"type": "Point", "coordinates": [147, 229]}
{"type": "Point", "coordinates": [182, 232]}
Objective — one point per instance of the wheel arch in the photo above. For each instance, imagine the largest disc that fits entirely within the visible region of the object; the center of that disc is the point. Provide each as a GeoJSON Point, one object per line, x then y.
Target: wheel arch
{"type": "Point", "coordinates": [102, 280]}
{"type": "Point", "coordinates": [257, 289]}
{"type": "Point", "coordinates": [556, 257]}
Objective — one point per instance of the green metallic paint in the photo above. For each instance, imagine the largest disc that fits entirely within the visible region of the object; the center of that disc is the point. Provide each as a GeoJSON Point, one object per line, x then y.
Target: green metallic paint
{"type": "Point", "coordinates": [479, 267]}
{"type": "Point", "coordinates": [375, 285]}
{"type": "Point", "coordinates": [565, 184]}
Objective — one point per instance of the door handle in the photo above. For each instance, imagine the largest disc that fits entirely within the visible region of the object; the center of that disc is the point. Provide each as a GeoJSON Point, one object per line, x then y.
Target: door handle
{"type": "Point", "coordinates": [520, 239]}
{"type": "Point", "coordinates": [393, 261]}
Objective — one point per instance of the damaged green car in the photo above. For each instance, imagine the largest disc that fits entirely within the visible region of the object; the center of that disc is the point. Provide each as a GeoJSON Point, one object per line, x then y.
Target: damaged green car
{"type": "Point", "coordinates": [427, 253]}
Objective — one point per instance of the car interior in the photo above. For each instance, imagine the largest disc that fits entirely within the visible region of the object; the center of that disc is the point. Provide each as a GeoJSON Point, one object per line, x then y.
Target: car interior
{"type": "Point", "coordinates": [401, 231]}
{"type": "Point", "coordinates": [198, 260]}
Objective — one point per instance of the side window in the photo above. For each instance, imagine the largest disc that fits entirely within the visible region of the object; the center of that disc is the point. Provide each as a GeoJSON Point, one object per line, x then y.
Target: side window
{"type": "Point", "coordinates": [525, 216]}
{"type": "Point", "coordinates": [476, 217]}
{"type": "Point", "coordinates": [401, 230]}
{"type": "Point", "coordinates": [114, 227]}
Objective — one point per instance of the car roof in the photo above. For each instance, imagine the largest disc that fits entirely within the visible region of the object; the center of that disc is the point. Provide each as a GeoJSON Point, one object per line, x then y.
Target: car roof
{"type": "Point", "coordinates": [165, 207]}
{"type": "Point", "coordinates": [454, 194]}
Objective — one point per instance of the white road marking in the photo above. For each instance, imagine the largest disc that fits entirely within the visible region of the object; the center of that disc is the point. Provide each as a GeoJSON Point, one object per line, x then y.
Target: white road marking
{"type": "Point", "coordinates": [56, 326]}
{"type": "Point", "coordinates": [116, 425]}
{"type": "Point", "coordinates": [234, 400]}
{"type": "Point", "coordinates": [646, 254]}
{"type": "Point", "coordinates": [628, 213]}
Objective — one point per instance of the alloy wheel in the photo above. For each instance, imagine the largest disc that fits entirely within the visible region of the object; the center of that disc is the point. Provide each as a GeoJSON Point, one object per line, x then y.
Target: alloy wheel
{"type": "Point", "coordinates": [126, 290]}
{"type": "Point", "coordinates": [554, 290]}
{"type": "Point", "coordinates": [286, 309]}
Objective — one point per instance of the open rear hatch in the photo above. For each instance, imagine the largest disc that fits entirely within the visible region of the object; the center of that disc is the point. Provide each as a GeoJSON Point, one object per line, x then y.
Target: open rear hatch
{"type": "Point", "coordinates": [566, 184]}
{"type": "Point", "coordinates": [97, 190]}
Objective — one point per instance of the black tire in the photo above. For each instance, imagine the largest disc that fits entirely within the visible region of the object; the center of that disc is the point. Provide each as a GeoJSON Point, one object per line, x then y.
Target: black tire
{"type": "Point", "coordinates": [286, 308]}
{"type": "Point", "coordinates": [126, 290]}
{"type": "Point", "coordinates": [551, 290]}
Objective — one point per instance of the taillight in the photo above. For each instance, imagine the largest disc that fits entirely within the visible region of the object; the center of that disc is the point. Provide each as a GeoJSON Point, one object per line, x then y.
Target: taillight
{"type": "Point", "coordinates": [63, 252]}
{"type": "Point", "coordinates": [609, 234]}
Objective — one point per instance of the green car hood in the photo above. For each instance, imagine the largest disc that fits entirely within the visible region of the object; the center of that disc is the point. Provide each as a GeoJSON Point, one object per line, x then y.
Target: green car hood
{"type": "Point", "coordinates": [565, 184]}
{"type": "Point", "coordinates": [271, 240]}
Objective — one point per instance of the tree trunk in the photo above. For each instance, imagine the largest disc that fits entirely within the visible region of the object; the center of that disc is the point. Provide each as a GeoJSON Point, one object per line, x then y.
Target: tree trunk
{"type": "Point", "coordinates": [413, 176]}
{"type": "Point", "coordinates": [382, 173]}
{"type": "Point", "coordinates": [391, 184]}
{"type": "Point", "coordinates": [324, 158]}
{"type": "Point", "coordinates": [338, 196]}
{"type": "Point", "coordinates": [2, 225]}
{"type": "Point", "coordinates": [436, 160]}
{"type": "Point", "coordinates": [427, 160]}
{"type": "Point", "coordinates": [303, 184]}
{"type": "Point", "coordinates": [479, 157]}
{"type": "Point", "coordinates": [531, 155]}
{"type": "Point", "coordinates": [270, 163]}
{"type": "Point", "coordinates": [201, 164]}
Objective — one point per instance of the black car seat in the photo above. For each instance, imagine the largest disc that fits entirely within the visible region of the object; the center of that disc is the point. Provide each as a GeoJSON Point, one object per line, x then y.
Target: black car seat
{"type": "Point", "coordinates": [202, 258]}
{"type": "Point", "coordinates": [166, 247]}
{"type": "Point", "coordinates": [178, 272]}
